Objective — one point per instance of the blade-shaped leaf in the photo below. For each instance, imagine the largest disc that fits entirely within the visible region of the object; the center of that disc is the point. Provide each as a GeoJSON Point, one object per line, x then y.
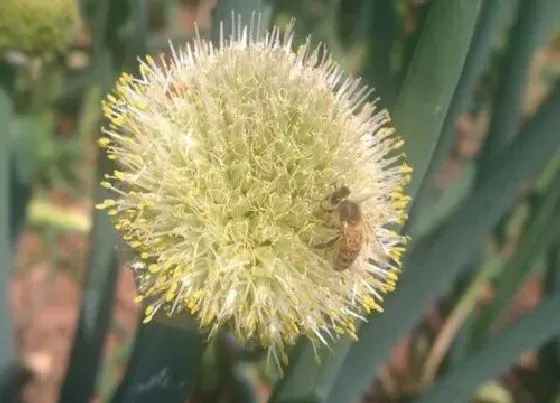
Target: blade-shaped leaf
{"type": "Point", "coordinates": [497, 354]}
{"type": "Point", "coordinates": [164, 365]}
{"type": "Point", "coordinates": [23, 167]}
{"type": "Point", "coordinates": [539, 234]}
{"type": "Point", "coordinates": [102, 268]}
{"type": "Point", "coordinates": [417, 12]}
{"type": "Point", "coordinates": [431, 265]}
{"type": "Point", "coordinates": [549, 353]}
{"type": "Point", "coordinates": [509, 99]}
{"type": "Point", "coordinates": [8, 388]}
{"type": "Point", "coordinates": [139, 10]}
{"type": "Point", "coordinates": [306, 379]}
{"type": "Point", "coordinates": [379, 22]}
{"type": "Point", "coordinates": [491, 18]}
{"type": "Point", "coordinates": [431, 79]}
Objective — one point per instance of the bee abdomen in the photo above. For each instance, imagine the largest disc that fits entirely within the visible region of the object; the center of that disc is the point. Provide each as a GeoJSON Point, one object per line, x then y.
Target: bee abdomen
{"type": "Point", "coordinates": [347, 253]}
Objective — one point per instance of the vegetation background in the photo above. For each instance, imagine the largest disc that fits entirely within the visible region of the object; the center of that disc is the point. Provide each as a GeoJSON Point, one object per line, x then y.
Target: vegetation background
{"type": "Point", "coordinates": [493, 309]}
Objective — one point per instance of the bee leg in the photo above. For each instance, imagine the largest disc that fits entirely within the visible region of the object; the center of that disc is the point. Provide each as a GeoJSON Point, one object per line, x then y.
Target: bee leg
{"type": "Point", "coordinates": [327, 244]}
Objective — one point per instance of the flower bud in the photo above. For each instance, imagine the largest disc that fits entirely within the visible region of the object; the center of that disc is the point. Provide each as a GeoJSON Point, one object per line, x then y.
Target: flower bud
{"type": "Point", "coordinates": [37, 26]}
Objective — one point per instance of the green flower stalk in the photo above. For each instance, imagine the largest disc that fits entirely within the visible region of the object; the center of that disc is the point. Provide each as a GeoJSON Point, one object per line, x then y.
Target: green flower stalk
{"type": "Point", "coordinates": [228, 158]}
{"type": "Point", "coordinates": [37, 26]}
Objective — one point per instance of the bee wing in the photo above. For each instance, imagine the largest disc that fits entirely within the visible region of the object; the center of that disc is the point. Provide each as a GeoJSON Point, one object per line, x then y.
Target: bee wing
{"type": "Point", "coordinates": [370, 233]}
{"type": "Point", "coordinates": [362, 197]}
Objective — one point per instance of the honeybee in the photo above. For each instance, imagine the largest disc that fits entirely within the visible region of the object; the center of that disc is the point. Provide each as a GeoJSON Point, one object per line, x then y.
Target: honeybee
{"type": "Point", "coordinates": [351, 236]}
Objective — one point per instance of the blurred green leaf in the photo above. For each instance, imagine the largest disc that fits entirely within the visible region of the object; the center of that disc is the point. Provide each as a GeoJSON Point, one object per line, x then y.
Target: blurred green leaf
{"type": "Point", "coordinates": [378, 23]}
{"type": "Point", "coordinates": [445, 205]}
{"type": "Point", "coordinates": [8, 368]}
{"type": "Point", "coordinates": [319, 23]}
{"type": "Point", "coordinates": [417, 13]}
{"type": "Point", "coordinates": [497, 354]}
{"type": "Point", "coordinates": [460, 314]}
{"type": "Point", "coordinates": [508, 102]}
{"type": "Point", "coordinates": [490, 20]}
{"type": "Point", "coordinates": [95, 312]}
{"type": "Point", "coordinates": [244, 389]}
{"type": "Point", "coordinates": [170, 10]}
{"type": "Point", "coordinates": [111, 372]}
{"type": "Point", "coordinates": [512, 78]}
{"type": "Point", "coordinates": [307, 380]}
{"type": "Point", "coordinates": [164, 366]}
{"type": "Point", "coordinates": [552, 278]}
{"type": "Point", "coordinates": [223, 377]}
{"type": "Point", "coordinates": [539, 234]}
{"type": "Point", "coordinates": [23, 160]}
{"type": "Point", "coordinates": [431, 264]}
{"type": "Point", "coordinates": [102, 267]}
{"type": "Point", "coordinates": [549, 353]}
{"type": "Point", "coordinates": [137, 44]}
{"type": "Point", "coordinates": [74, 85]}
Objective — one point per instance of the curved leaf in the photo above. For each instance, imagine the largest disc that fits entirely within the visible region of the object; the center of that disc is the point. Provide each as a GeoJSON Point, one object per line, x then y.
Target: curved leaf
{"type": "Point", "coordinates": [497, 354]}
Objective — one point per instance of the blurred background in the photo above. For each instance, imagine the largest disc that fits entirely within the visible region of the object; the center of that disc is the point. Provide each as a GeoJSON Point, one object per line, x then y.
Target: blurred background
{"type": "Point", "coordinates": [54, 123]}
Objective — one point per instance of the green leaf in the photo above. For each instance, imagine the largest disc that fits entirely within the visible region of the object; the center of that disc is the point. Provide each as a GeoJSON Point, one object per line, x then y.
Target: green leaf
{"type": "Point", "coordinates": [164, 366]}
{"type": "Point", "coordinates": [549, 353]}
{"type": "Point", "coordinates": [496, 355]}
{"type": "Point", "coordinates": [539, 234]}
{"type": "Point", "coordinates": [8, 387]}
{"type": "Point", "coordinates": [306, 380]}
{"type": "Point", "coordinates": [459, 315]}
{"type": "Point", "coordinates": [95, 313]}
{"type": "Point", "coordinates": [490, 20]}
{"type": "Point", "coordinates": [139, 10]}
{"type": "Point", "coordinates": [378, 21]}
{"type": "Point", "coordinates": [419, 12]}
{"type": "Point", "coordinates": [27, 141]}
{"type": "Point", "coordinates": [445, 204]}
{"type": "Point", "coordinates": [244, 389]}
{"type": "Point", "coordinates": [431, 265]}
{"type": "Point", "coordinates": [431, 80]}
{"type": "Point", "coordinates": [514, 75]}
{"type": "Point", "coordinates": [552, 279]}
{"type": "Point", "coordinates": [508, 102]}
{"type": "Point", "coordinates": [111, 371]}
{"type": "Point", "coordinates": [102, 266]}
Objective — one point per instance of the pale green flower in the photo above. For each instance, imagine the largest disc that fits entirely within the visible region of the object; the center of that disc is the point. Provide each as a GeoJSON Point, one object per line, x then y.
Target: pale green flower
{"type": "Point", "coordinates": [226, 156]}
{"type": "Point", "coordinates": [37, 26]}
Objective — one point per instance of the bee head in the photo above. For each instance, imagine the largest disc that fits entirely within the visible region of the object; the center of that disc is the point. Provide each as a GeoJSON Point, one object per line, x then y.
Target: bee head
{"type": "Point", "coordinates": [340, 194]}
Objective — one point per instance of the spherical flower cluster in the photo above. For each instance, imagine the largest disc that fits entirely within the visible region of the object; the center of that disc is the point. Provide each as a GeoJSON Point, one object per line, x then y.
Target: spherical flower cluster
{"type": "Point", "coordinates": [37, 26]}
{"type": "Point", "coordinates": [227, 160]}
